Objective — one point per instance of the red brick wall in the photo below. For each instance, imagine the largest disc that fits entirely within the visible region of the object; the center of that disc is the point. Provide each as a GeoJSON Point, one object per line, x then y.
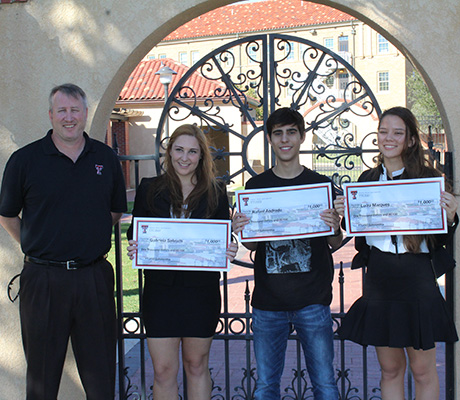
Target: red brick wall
{"type": "Point", "coordinates": [121, 129]}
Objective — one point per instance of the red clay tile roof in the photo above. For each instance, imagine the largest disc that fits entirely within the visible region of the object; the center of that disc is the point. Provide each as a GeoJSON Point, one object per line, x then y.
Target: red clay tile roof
{"type": "Point", "coordinates": [143, 84]}
{"type": "Point", "coordinates": [259, 16]}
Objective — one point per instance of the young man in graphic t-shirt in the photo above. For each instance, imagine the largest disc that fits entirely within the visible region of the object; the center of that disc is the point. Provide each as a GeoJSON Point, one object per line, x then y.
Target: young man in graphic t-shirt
{"type": "Point", "coordinates": [293, 278]}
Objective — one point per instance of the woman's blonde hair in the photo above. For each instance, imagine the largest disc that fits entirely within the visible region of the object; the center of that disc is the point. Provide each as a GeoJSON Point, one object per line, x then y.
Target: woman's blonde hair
{"type": "Point", "coordinates": [204, 176]}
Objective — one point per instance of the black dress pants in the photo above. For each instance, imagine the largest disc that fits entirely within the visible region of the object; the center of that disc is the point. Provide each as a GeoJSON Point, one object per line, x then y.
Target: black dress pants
{"type": "Point", "coordinates": [57, 304]}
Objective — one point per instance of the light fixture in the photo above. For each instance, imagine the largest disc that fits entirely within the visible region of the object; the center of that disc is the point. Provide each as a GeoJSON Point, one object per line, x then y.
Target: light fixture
{"type": "Point", "coordinates": [166, 75]}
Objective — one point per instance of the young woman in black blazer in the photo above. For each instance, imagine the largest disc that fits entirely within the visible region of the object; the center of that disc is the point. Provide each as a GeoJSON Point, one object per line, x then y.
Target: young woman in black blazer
{"type": "Point", "coordinates": [182, 307]}
{"type": "Point", "coordinates": [402, 311]}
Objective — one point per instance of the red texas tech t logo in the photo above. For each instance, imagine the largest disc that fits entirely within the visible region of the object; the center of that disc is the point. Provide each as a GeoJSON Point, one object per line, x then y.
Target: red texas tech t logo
{"type": "Point", "coordinates": [99, 168]}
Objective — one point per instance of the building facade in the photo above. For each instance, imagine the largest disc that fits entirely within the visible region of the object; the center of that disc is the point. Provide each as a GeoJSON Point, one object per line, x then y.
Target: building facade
{"type": "Point", "coordinates": [380, 63]}
{"type": "Point", "coordinates": [312, 28]}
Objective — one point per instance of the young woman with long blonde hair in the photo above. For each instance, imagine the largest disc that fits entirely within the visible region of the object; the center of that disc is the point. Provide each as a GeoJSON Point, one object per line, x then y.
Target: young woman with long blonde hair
{"type": "Point", "coordinates": [182, 307]}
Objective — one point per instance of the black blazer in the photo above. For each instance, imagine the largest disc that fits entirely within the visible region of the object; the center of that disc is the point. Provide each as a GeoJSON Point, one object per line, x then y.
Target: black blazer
{"type": "Point", "coordinates": [361, 258]}
{"type": "Point", "coordinates": [162, 210]}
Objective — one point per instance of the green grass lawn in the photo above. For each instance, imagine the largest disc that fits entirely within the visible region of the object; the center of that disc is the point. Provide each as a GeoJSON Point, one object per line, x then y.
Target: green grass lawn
{"type": "Point", "coordinates": [130, 207]}
{"type": "Point", "coordinates": [130, 275]}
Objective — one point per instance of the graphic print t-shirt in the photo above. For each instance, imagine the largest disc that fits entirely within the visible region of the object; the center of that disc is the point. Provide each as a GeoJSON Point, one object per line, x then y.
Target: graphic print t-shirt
{"type": "Point", "coordinates": [291, 274]}
{"type": "Point", "coordinates": [287, 256]}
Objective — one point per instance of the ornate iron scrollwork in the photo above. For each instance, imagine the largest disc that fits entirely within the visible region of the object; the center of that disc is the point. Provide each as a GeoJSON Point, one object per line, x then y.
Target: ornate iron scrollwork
{"type": "Point", "coordinates": [329, 110]}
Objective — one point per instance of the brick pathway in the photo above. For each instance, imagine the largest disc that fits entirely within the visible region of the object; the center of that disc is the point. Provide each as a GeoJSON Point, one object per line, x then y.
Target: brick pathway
{"type": "Point", "coordinates": [237, 278]}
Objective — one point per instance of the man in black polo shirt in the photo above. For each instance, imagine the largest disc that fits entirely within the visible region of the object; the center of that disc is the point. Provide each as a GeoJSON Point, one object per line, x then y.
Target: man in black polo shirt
{"type": "Point", "coordinates": [70, 190]}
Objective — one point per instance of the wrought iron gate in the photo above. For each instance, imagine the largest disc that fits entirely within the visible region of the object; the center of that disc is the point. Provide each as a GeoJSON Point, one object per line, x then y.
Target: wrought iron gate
{"type": "Point", "coordinates": [337, 110]}
{"type": "Point", "coordinates": [340, 114]}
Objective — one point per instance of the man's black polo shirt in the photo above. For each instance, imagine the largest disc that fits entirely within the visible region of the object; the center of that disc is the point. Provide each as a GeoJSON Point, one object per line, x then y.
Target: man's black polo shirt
{"type": "Point", "coordinates": [65, 206]}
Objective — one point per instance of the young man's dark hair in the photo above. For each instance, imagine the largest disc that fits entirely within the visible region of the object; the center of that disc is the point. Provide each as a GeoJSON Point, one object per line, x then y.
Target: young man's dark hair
{"type": "Point", "coordinates": [285, 116]}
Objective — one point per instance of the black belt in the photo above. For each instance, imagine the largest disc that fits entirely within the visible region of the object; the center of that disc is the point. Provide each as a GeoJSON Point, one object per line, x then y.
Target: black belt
{"type": "Point", "coordinates": [70, 265]}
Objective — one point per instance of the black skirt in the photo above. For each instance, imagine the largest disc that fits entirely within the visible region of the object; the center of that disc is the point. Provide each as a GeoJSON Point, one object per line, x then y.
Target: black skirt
{"type": "Point", "coordinates": [401, 305]}
{"type": "Point", "coordinates": [180, 311]}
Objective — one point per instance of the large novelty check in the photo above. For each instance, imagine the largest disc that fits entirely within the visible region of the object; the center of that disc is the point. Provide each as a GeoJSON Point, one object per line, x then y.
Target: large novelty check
{"type": "Point", "coordinates": [281, 213]}
{"type": "Point", "coordinates": [182, 244]}
{"type": "Point", "coordinates": [407, 206]}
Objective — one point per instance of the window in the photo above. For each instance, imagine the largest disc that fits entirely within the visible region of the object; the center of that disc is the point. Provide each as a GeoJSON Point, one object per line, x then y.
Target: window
{"type": "Point", "coordinates": [384, 81]}
{"type": "Point", "coordinates": [289, 48]}
{"type": "Point", "coordinates": [290, 88]}
{"type": "Point", "coordinates": [151, 57]}
{"type": "Point", "coordinates": [195, 56]}
{"type": "Point", "coordinates": [343, 80]}
{"type": "Point", "coordinates": [161, 56]}
{"type": "Point", "coordinates": [302, 48]}
{"type": "Point", "coordinates": [383, 44]}
{"type": "Point", "coordinates": [252, 54]}
{"type": "Point", "coordinates": [226, 58]}
{"type": "Point", "coordinates": [343, 43]}
{"type": "Point", "coordinates": [183, 58]}
{"type": "Point", "coordinates": [329, 43]}
{"type": "Point", "coordinates": [229, 58]}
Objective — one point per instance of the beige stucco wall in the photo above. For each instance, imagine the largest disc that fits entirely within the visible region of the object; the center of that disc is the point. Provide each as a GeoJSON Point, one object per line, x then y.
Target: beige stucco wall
{"type": "Point", "coordinates": [97, 44]}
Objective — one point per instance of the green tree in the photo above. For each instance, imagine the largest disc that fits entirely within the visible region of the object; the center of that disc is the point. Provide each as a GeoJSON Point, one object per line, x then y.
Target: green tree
{"type": "Point", "coordinates": [422, 103]}
{"type": "Point", "coordinates": [252, 92]}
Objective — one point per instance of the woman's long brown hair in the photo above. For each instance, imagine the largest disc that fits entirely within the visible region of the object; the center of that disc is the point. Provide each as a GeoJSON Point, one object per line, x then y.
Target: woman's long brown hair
{"type": "Point", "coordinates": [416, 165]}
{"type": "Point", "coordinates": [204, 177]}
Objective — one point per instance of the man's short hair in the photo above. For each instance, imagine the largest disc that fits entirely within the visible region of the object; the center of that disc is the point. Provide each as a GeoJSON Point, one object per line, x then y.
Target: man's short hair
{"type": "Point", "coordinates": [68, 89]}
{"type": "Point", "coordinates": [285, 116]}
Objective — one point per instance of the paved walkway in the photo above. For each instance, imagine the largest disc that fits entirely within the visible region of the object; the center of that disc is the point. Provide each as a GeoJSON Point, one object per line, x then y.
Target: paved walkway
{"type": "Point", "coordinates": [237, 278]}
